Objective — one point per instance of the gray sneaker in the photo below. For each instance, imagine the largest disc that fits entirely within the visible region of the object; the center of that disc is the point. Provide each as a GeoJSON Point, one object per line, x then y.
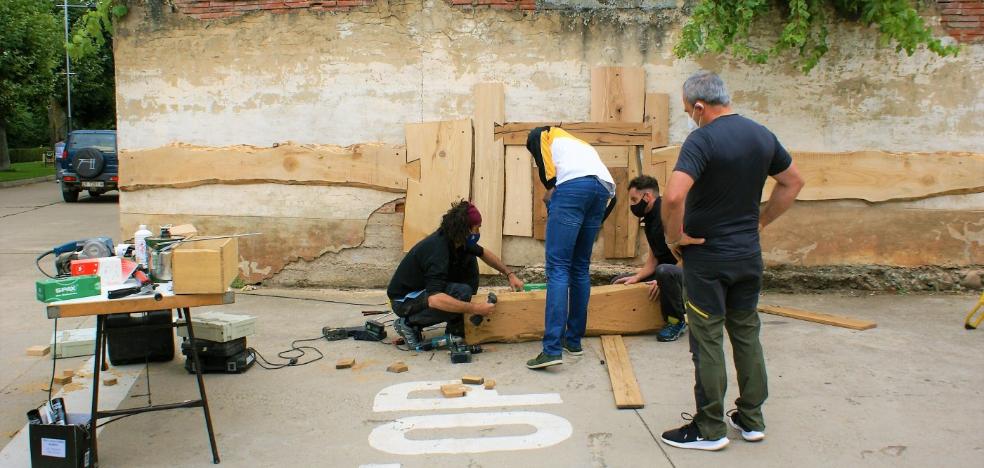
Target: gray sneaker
{"type": "Point", "coordinates": [410, 334]}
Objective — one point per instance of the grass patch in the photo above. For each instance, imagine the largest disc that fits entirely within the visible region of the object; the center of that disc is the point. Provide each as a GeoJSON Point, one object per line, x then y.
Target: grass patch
{"type": "Point", "coordinates": [26, 170]}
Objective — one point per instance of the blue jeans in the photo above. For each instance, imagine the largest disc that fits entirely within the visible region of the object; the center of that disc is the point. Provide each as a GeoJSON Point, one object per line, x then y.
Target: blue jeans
{"type": "Point", "coordinates": [574, 217]}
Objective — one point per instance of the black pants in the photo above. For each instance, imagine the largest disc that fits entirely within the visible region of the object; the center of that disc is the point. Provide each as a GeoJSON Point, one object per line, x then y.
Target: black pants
{"type": "Point", "coordinates": [420, 315]}
{"type": "Point", "coordinates": [670, 280]}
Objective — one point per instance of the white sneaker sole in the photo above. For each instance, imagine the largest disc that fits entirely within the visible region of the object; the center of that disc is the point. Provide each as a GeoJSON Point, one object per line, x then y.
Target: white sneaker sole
{"type": "Point", "coordinates": [709, 445]}
{"type": "Point", "coordinates": [546, 364]}
{"type": "Point", "coordinates": [574, 353]}
{"type": "Point", "coordinates": [749, 436]}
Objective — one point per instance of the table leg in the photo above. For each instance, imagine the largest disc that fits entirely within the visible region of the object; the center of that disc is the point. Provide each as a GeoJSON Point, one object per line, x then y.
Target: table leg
{"type": "Point", "coordinates": [201, 385]}
{"type": "Point", "coordinates": [96, 367]}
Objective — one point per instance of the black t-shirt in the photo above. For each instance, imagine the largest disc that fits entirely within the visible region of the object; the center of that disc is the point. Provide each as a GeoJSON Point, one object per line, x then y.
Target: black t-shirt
{"type": "Point", "coordinates": [655, 236]}
{"type": "Point", "coordinates": [432, 264]}
{"type": "Point", "coordinates": [729, 160]}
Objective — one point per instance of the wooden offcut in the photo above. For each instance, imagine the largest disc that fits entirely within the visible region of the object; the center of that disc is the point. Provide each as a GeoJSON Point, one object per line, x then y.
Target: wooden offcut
{"type": "Point", "coordinates": [473, 380]}
{"type": "Point", "coordinates": [539, 208]}
{"type": "Point", "coordinates": [445, 153]}
{"type": "Point", "coordinates": [63, 379]}
{"type": "Point", "coordinates": [398, 367]}
{"type": "Point", "coordinates": [39, 350]}
{"type": "Point", "coordinates": [518, 211]}
{"type": "Point", "coordinates": [861, 175]}
{"type": "Point", "coordinates": [376, 166]}
{"type": "Point", "coordinates": [657, 117]}
{"type": "Point", "coordinates": [488, 176]}
{"type": "Point", "coordinates": [818, 317]}
{"type": "Point", "coordinates": [68, 373]}
{"type": "Point", "coordinates": [345, 363]}
{"type": "Point", "coordinates": [109, 381]}
{"type": "Point", "coordinates": [625, 387]}
{"type": "Point", "coordinates": [453, 390]}
{"type": "Point", "coordinates": [612, 309]}
{"type": "Point", "coordinates": [489, 384]}
{"type": "Point", "coordinates": [593, 133]}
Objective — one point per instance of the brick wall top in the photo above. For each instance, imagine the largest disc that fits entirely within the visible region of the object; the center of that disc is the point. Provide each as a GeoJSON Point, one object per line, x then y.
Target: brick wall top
{"type": "Point", "coordinates": [963, 19]}
{"type": "Point", "coordinates": [215, 9]}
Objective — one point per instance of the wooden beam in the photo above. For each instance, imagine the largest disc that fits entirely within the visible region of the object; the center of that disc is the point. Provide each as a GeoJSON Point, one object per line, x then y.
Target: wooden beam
{"type": "Point", "coordinates": [594, 133]}
{"type": "Point", "coordinates": [488, 178]}
{"type": "Point", "coordinates": [518, 215]}
{"type": "Point", "coordinates": [614, 309]}
{"type": "Point", "coordinates": [861, 175]}
{"type": "Point", "coordinates": [377, 166]}
{"type": "Point", "coordinates": [625, 387]}
{"type": "Point", "coordinates": [658, 118]}
{"type": "Point", "coordinates": [621, 229]}
{"type": "Point", "coordinates": [818, 317]}
{"type": "Point", "coordinates": [445, 153]}
{"type": "Point", "coordinates": [616, 156]}
{"type": "Point", "coordinates": [618, 94]}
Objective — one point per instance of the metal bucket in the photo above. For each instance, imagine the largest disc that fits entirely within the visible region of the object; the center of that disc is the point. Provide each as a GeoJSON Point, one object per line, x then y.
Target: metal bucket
{"type": "Point", "coordinates": [160, 262]}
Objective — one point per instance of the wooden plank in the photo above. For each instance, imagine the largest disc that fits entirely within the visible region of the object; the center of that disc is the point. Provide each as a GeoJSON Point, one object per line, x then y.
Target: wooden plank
{"type": "Point", "coordinates": [625, 387]}
{"type": "Point", "coordinates": [518, 215]}
{"type": "Point", "coordinates": [818, 317]}
{"type": "Point", "coordinates": [593, 133]}
{"type": "Point", "coordinates": [618, 94]}
{"type": "Point", "coordinates": [616, 156]}
{"type": "Point", "coordinates": [539, 208]}
{"type": "Point", "coordinates": [488, 180]}
{"type": "Point", "coordinates": [612, 309]}
{"type": "Point", "coordinates": [131, 304]}
{"type": "Point", "coordinates": [861, 175]}
{"type": "Point", "coordinates": [381, 167]}
{"type": "Point", "coordinates": [445, 153]}
{"type": "Point", "coordinates": [657, 117]}
{"type": "Point", "coordinates": [621, 224]}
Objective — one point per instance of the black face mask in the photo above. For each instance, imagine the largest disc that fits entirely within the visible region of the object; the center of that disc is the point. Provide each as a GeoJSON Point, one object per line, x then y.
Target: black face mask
{"type": "Point", "coordinates": [639, 209]}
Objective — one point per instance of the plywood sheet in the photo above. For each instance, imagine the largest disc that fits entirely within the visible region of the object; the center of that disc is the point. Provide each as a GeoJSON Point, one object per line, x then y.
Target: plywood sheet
{"type": "Point", "coordinates": [488, 179]}
{"type": "Point", "coordinates": [445, 153]}
{"type": "Point", "coordinates": [818, 317]}
{"type": "Point", "coordinates": [594, 133]}
{"type": "Point", "coordinates": [625, 387]}
{"type": "Point", "coordinates": [614, 309]}
{"type": "Point", "coordinates": [658, 118]}
{"type": "Point", "coordinates": [618, 94]}
{"type": "Point", "coordinates": [377, 166]}
{"type": "Point", "coordinates": [621, 229]}
{"type": "Point", "coordinates": [616, 156]}
{"type": "Point", "coordinates": [539, 207]}
{"type": "Point", "coordinates": [518, 217]}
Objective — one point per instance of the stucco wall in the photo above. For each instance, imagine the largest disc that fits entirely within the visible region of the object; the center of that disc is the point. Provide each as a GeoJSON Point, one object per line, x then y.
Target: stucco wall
{"type": "Point", "coordinates": [359, 75]}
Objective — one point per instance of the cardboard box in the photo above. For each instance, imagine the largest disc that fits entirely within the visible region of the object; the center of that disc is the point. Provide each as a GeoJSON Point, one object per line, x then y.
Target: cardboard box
{"type": "Point", "coordinates": [109, 270]}
{"type": "Point", "coordinates": [205, 267]}
{"type": "Point", "coordinates": [61, 446]}
{"type": "Point", "coordinates": [219, 326]}
{"type": "Point", "coordinates": [74, 287]}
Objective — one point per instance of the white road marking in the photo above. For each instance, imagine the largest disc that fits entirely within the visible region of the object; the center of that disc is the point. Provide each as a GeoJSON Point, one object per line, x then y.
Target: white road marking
{"type": "Point", "coordinates": [391, 437]}
{"type": "Point", "coordinates": [396, 398]}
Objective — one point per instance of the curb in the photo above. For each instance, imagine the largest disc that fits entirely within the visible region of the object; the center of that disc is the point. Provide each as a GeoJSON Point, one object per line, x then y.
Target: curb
{"type": "Point", "coordinates": [17, 183]}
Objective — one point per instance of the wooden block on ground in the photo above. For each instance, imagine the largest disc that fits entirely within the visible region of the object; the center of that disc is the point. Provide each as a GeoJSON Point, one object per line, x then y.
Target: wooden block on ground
{"type": "Point", "coordinates": [612, 309]}
{"type": "Point", "coordinates": [109, 381]}
{"type": "Point", "coordinates": [453, 390]}
{"type": "Point", "coordinates": [818, 317]}
{"type": "Point", "coordinates": [398, 367]}
{"type": "Point", "coordinates": [472, 380]}
{"type": "Point", "coordinates": [489, 384]}
{"type": "Point", "coordinates": [345, 363]}
{"type": "Point", "coordinates": [39, 350]}
{"type": "Point", "coordinates": [624, 384]}
{"type": "Point", "coordinates": [518, 215]}
{"type": "Point", "coordinates": [63, 379]}
{"type": "Point", "coordinates": [68, 373]}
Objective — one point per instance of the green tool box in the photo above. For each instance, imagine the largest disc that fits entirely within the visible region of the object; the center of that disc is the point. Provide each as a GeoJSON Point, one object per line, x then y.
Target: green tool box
{"type": "Point", "coordinates": [73, 287]}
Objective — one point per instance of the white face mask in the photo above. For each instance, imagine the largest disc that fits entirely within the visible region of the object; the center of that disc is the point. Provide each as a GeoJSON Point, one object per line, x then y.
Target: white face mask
{"type": "Point", "coordinates": [691, 125]}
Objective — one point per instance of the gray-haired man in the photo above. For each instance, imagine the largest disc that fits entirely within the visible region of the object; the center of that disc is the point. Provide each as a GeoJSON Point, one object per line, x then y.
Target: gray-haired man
{"type": "Point", "coordinates": [719, 176]}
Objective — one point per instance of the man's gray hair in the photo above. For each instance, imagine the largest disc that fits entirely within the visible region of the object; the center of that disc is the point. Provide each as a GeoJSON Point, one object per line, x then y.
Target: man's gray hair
{"type": "Point", "coordinates": [705, 86]}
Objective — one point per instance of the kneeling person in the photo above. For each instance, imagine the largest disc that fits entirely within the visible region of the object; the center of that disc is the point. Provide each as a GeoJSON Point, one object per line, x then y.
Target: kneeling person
{"type": "Point", "coordinates": [438, 277]}
{"type": "Point", "coordinates": [660, 270]}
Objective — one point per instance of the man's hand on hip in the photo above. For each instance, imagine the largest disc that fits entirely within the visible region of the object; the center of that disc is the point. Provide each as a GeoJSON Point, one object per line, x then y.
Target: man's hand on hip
{"type": "Point", "coordinates": [685, 240]}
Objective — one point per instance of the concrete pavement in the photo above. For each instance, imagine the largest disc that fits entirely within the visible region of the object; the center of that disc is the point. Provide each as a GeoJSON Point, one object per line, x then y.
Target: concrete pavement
{"type": "Point", "coordinates": [903, 394]}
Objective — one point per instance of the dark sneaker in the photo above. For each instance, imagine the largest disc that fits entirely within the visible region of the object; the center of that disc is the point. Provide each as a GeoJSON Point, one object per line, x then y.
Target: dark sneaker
{"type": "Point", "coordinates": [672, 332]}
{"type": "Point", "coordinates": [734, 420]}
{"type": "Point", "coordinates": [410, 334]}
{"type": "Point", "coordinates": [573, 350]}
{"type": "Point", "coordinates": [544, 360]}
{"type": "Point", "coordinates": [688, 437]}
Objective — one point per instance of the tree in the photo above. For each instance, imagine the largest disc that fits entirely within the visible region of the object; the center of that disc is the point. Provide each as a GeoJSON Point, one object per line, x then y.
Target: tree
{"type": "Point", "coordinates": [725, 26]}
{"type": "Point", "coordinates": [29, 46]}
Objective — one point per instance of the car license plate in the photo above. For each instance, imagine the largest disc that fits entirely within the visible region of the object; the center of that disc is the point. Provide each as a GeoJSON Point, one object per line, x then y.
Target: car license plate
{"type": "Point", "coordinates": [93, 184]}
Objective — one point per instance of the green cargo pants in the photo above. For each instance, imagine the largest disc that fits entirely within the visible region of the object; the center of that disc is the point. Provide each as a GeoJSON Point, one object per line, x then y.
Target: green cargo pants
{"type": "Point", "coordinates": [724, 295]}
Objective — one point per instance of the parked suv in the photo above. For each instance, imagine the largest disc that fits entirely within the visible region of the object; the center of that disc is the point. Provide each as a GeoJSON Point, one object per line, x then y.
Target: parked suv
{"type": "Point", "coordinates": [88, 163]}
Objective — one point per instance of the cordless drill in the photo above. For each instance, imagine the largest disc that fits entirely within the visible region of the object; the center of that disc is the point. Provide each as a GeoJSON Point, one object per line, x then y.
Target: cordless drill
{"type": "Point", "coordinates": [477, 319]}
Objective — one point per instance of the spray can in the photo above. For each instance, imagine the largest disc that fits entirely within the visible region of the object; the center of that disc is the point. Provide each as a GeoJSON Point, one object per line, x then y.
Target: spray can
{"type": "Point", "coordinates": [58, 415]}
{"type": "Point", "coordinates": [34, 417]}
{"type": "Point", "coordinates": [140, 245]}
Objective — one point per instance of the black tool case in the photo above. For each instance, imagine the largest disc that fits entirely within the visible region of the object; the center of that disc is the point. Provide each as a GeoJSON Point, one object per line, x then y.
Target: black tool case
{"type": "Point", "coordinates": [235, 364]}
{"type": "Point", "coordinates": [208, 348]}
{"type": "Point", "coordinates": [131, 344]}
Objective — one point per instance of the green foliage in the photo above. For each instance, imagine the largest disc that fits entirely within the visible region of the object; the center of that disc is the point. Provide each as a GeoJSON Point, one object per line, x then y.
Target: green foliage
{"type": "Point", "coordinates": [28, 52]}
{"type": "Point", "coordinates": [725, 26]}
{"type": "Point", "coordinates": [26, 170]}
{"type": "Point", "coordinates": [94, 29]}
{"type": "Point", "coordinates": [19, 155]}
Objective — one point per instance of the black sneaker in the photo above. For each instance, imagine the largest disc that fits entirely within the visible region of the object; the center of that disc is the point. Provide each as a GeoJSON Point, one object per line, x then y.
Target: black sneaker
{"type": "Point", "coordinates": [409, 333]}
{"type": "Point", "coordinates": [688, 437]}
{"type": "Point", "coordinates": [734, 420]}
{"type": "Point", "coordinates": [544, 360]}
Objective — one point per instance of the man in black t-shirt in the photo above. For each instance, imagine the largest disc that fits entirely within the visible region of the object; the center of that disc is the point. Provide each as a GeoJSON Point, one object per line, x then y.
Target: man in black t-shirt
{"type": "Point", "coordinates": [711, 216]}
{"type": "Point", "coordinates": [660, 271]}
{"type": "Point", "coordinates": [436, 280]}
